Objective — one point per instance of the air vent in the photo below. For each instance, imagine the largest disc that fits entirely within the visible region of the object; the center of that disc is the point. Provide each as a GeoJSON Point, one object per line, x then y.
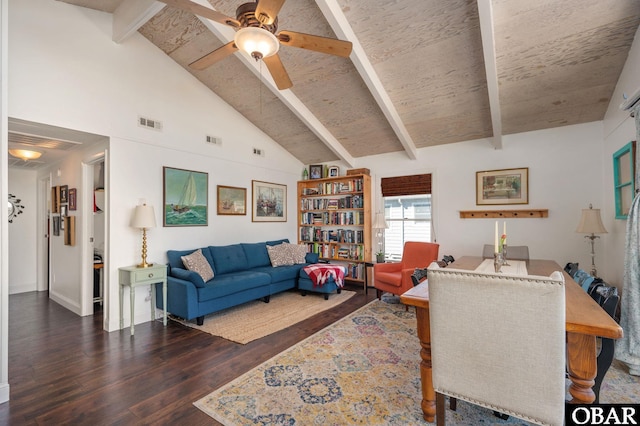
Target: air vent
{"type": "Point", "coordinates": [259, 152]}
{"type": "Point", "coordinates": [214, 140]}
{"type": "Point", "coordinates": [149, 123]}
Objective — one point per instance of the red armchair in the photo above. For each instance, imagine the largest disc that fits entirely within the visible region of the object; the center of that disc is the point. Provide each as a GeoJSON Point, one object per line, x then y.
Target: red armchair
{"type": "Point", "coordinates": [395, 277]}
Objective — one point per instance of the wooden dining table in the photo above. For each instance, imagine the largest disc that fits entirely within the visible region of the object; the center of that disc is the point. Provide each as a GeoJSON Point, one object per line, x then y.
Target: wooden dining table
{"type": "Point", "coordinates": [585, 321]}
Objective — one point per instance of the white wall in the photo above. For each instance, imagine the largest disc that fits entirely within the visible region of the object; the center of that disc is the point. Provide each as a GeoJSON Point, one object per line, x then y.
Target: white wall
{"type": "Point", "coordinates": [619, 129]}
{"type": "Point", "coordinates": [22, 232]}
{"type": "Point", "coordinates": [65, 71]}
{"type": "Point", "coordinates": [565, 175]}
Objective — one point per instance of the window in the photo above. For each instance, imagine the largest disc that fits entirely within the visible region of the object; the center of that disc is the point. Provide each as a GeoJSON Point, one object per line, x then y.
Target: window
{"type": "Point", "coordinates": [407, 210]}
{"type": "Point", "coordinates": [623, 179]}
{"type": "Point", "coordinates": [409, 219]}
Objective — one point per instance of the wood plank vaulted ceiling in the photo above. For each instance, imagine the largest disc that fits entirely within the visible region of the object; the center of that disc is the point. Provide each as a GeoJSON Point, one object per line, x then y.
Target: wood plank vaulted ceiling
{"type": "Point", "coordinates": [422, 72]}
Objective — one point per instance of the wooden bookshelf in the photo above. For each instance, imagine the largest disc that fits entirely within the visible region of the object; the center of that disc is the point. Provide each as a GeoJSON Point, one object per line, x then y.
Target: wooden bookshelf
{"type": "Point", "coordinates": [334, 220]}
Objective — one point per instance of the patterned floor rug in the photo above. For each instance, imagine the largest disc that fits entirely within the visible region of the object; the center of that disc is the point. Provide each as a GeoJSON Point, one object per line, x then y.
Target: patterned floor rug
{"type": "Point", "coordinates": [256, 319]}
{"type": "Point", "coordinates": [363, 369]}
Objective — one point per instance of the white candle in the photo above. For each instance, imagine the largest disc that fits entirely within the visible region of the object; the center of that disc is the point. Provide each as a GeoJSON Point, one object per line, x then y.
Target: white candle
{"type": "Point", "coordinates": [495, 244]}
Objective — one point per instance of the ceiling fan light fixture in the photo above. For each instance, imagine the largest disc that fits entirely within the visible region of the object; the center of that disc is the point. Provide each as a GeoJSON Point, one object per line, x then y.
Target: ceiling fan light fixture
{"type": "Point", "coordinates": [256, 42]}
{"type": "Point", "coordinates": [25, 154]}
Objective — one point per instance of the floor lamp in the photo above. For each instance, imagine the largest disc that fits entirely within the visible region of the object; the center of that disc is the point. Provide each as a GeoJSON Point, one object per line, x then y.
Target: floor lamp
{"type": "Point", "coordinates": [591, 224]}
{"type": "Point", "coordinates": [380, 224]}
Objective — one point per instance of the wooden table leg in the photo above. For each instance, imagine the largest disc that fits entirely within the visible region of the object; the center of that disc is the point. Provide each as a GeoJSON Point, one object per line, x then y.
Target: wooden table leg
{"type": "Point", "coordinates": [582, 367]}
{"type": "Point", "coordinates": [428, 394]}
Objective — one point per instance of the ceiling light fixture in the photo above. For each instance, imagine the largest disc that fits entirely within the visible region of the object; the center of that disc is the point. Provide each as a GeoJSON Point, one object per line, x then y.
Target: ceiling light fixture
{"type": "Point", "coordinates": [25, 154]}
{"type": "Point", "coordinates": [256, 42]}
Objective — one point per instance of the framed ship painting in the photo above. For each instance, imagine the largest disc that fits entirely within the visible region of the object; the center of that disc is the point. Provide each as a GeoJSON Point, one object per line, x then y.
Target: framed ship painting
{"type": "Point", "coordinates": [185, 197]}
{"type": "Point", "coordinates": [232, 200]}
{"type": "Point", "coordinates": [269, 202]}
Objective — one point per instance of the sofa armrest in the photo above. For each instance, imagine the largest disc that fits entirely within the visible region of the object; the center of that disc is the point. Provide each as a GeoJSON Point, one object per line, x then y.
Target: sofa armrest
{"type": "Point", "coordinates": [186, 275]}
{"type": "Point", "coordinates": [387, 267]}
{"type": "Point", "coordinates": [182, 297]}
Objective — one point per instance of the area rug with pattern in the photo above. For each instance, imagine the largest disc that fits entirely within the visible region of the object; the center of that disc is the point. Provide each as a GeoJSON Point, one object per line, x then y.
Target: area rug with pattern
{"type": "Point", "coordinates": [256, 319]}
{"type": "Point", "coordinates": [363, 369]}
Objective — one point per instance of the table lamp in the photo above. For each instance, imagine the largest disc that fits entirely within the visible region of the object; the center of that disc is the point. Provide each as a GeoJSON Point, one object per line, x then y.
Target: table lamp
{"type": "Point", "coordinates": [591, 223]}
{"type": "Point", "coordinates": [143, 218]}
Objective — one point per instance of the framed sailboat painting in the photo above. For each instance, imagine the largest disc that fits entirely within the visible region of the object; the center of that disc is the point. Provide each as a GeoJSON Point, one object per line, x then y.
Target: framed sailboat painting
{"type": "Point", "coordinates": [186, 197]}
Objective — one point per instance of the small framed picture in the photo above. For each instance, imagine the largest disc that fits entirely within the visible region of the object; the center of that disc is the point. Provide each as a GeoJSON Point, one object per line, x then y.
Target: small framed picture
{"type": "Point", "coordinates": [232, 200]}
{"type": "Point", "coordinates": [507, 186]}
{"type": "Point", "coordinates": [56, 225]}
{"type": "Point", "coordinates": [63, 210]}
{"type": "Point", "coordinates": [315, 171]}
{"type": "Point", "coordinates": [334, 171]}
{"type": "Point", "coordinates": [72, 198]}
{"type": "Point", "coordinates": [64, 189]}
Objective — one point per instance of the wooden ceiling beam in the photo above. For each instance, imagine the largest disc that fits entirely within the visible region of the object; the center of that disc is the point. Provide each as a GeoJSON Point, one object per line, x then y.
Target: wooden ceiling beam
{"type": "Point", "coordinates": [485, 12]}
{"type": "Point", "coordinates": [334, 15]}
{"type": "Point", "coordinates": [131, 15]}
{"type": "Point", "coordinates": [226, 34]}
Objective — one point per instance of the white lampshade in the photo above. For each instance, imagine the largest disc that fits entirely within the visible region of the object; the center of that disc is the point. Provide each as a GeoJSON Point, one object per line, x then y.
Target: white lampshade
{"type": "Point", "coordinates": [143, 217]}
{"type": "Point", "coordinates": [257, 42]}
{"type": "Point", "coordinates": [380, 222]}
{"type": "Point", "coordinates": [591, 222]}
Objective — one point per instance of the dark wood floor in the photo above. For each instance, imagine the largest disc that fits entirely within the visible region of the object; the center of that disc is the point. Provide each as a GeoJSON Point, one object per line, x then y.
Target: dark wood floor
{"type": "Point", "coordinates": [64, 369]}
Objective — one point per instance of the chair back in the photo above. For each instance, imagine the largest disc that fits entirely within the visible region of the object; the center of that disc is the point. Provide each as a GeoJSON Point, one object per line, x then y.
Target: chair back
{"type": "Point", "coordinates": [498, 341]}
{"type": "Point", "coordinates": [419, 254]}
{"type": "Point", "coordinates": [513, 252]}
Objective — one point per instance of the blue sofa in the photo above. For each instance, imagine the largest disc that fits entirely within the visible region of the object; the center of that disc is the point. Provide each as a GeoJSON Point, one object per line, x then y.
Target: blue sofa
{"type": "Point", "coordinates": [242, 273]}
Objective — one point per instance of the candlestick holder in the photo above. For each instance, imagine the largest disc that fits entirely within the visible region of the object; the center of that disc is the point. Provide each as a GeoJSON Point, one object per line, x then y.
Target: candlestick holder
{"type": "Point", "coordinates": [498, 261]}
{"type": "Point", "coordinates": [505, 262]}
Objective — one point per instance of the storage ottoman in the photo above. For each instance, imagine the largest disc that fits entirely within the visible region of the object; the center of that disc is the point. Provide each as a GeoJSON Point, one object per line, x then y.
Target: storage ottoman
{"type": "Point", "coordinates": [305, 284]}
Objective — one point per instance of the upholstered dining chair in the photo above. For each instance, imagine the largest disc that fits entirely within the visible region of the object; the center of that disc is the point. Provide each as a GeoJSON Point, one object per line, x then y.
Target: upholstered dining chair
{"type": "Point", "coordinates": [498, 341]}
{"type": "Point", "coordinates": [395, 277]}
{"type": "Point", "coordinates": [513, 252]}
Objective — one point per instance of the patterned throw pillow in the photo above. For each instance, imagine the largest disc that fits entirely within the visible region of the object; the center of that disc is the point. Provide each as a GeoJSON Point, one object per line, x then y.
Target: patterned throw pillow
{"type": "Point", "coordinates": [298, 253]}
{"type": "Point", "coordinates": [196, 262]}
{"type": "Point", "coordinates": [279, 255]}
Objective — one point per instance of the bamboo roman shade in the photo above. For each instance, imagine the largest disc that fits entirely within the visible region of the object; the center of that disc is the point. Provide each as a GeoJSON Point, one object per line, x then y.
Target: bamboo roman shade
{"type": "Point", "coordinates": [406, 185]}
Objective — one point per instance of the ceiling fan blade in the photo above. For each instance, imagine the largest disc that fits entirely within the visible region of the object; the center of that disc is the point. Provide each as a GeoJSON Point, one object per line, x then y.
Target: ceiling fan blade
{"type": "Point", "coordinates": [215, 56]}
{"type": "Point", "coordinates": [205, 12]}
{"type": "Point", "coordinates": [277, 71]}
{"type": "Point", "coordinates": [267, 11]}
{"type": "Point", "coordinates": [331, 46]}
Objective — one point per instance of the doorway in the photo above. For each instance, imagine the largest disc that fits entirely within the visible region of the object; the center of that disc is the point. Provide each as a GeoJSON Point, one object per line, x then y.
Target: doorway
{"type": "Point", "coordinates": [94, 259]}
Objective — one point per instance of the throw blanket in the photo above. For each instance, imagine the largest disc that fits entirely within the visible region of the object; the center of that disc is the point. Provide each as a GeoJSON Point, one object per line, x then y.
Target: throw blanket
{"type": "Point", "coordinates": [319, 274]}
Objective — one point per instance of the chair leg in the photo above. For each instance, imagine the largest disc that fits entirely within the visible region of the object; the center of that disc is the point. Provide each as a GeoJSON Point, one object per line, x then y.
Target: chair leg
{"type": "Point", "coordinates": [440, 414]}
{"type": "Point", "coordinates": [379, 294]}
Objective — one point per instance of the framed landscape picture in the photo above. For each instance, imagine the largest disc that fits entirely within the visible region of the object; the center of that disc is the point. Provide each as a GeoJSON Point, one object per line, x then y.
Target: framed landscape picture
{"type": "Point", "coordinates": [185, 197]}
{"type": "Point", "coordinates": [507, 186]}
{"type": "Point", "coordinates": [232, 200]}
{"type": "Point", "coordinates": [269, 202]}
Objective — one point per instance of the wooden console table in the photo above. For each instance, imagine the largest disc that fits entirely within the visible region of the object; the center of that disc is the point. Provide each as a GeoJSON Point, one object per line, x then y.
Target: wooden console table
{"type": "Point", "coordinates": [585, 320]}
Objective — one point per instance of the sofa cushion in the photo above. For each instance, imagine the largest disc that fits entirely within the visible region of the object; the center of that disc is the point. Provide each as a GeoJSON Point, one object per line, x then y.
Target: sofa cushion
{"type": "Point", "coordinates": [175, 257]}
{"type": "Point", "coordinates": [298, 253]}
{"type": "Point", "coordinates": [227, 284]}
{"type": "Point", "coordinates": [279, 255]}
{"type": "Point", "coordinates": [196, 262]}
{"type": "Point", "coordinates": [257, 254]}
{"type": "Point", "coordinates": [282, 273]}
{"type": "Point", "coordinates": [228, 259]}
{"type": "Point", "coordinates": [277, 242]}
